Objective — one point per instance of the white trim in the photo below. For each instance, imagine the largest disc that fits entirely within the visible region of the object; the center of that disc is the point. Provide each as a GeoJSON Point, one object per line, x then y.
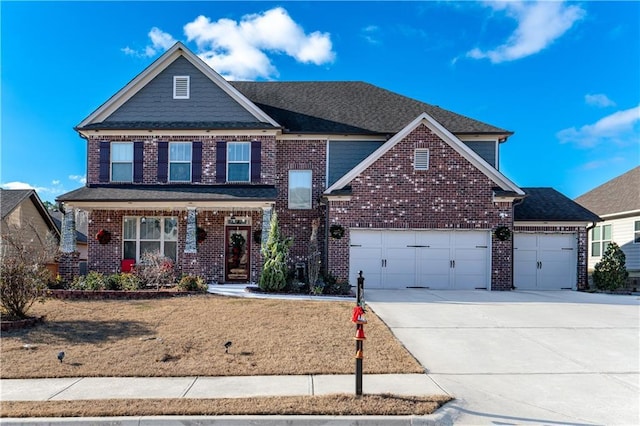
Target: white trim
{"type": "Point", "coordinates": [159, 65]}
{"type": "Point", "coordinates": [542, 223]}
{"type": "Point", "coordinates": [310, 173]}
{"type": "Point", "coordinates": [165, 205]}
{"type": "Point", "coordinates": [446, 136]}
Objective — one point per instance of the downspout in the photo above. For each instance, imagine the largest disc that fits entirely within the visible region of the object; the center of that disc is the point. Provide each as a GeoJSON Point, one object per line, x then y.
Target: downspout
{"type": "Point", "coordinates": [513, 239]}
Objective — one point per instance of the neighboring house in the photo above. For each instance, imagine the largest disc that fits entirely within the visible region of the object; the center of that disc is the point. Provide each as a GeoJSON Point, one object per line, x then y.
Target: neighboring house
{"type": "Point", "coordinates": [617, 202]}
{"type": "Point", "coordinates": [24, 212]}
{"type": "Point", "coordinates": [182, 161]}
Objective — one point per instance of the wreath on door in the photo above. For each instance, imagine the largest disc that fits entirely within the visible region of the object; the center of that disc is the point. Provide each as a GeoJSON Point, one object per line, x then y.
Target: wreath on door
{"type": "Point", "coordinates": [502, 233]}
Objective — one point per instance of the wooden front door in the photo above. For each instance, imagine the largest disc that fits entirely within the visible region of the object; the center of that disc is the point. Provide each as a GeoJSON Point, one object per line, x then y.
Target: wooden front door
{"type": "Point", "coordinates": [237, 253]}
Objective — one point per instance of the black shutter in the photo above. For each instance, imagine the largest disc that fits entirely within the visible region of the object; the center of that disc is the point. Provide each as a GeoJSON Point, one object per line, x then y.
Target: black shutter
{"type": "Point", "coordinates": [221, 162]}
{"type": "Point", "coordinates": [163, 161]}
{"type": "Point", "coordinates": [138, 158]}
{"type": "Point", "coordinates": [105, 161]}
{"type": "Point", "coordinates": [256, 156]}
{"type": "Point", "coordinates": [196, 162]}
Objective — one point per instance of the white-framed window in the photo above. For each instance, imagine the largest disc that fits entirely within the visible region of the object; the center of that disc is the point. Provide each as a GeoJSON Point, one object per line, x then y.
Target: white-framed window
{"type": "Point", "coordinates": [636, 232]}
{"type": "Point", "coordinates": [600, 239]}
{"type": "Point", "coordinates": [238, 161]}
{"type": "Point", "coordinates": [300, 189]}
{"type": "Point", "coordinates": [421, 159]}
{"type": "Point", "coordinates": [181, 87]}
{"type": "Point", "coordinates": [147, 234]}
{"type": "Point", "coordinates": [122, 162]}
{"type": "Point", "coordinates": [180, 161]}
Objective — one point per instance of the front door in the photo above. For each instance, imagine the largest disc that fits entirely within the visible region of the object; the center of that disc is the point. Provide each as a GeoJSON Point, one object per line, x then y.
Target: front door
{"type": "Point", "coordinates": [237, 253]}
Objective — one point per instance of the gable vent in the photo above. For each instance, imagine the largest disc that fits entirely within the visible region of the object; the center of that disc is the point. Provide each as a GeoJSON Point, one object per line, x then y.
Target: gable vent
{"type": "Point", "coordinates": [181, 87]}
{"type": "Point", "coordinates": [421, 159]}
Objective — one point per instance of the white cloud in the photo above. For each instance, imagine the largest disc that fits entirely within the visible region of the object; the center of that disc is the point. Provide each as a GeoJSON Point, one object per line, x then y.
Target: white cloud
{"type": "Point", "coordinates": [598, 164]}
{"type": "Point", "coordinates": [55, 182]}
{"type": "Point", "coordinates": [598, 100]}
{"type": "Point", "coordinates": [17, 185]}
{"type": "Point", "coordinates": [621, 127]}
{"type": "Point", "coordinates": [78, 178]}
{"type": "Point", "coordinates": [539, 25]}
{"type": "Point", "coordinates": [237, 49]}
{"type": "Point", "coordinates": [160, 41]}
{"type": "Point", "coordinates": [371, 34]}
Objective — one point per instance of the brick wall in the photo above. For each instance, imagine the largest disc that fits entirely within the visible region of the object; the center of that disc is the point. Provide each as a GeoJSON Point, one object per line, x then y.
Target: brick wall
{"type": "Point", "coordinates": [150, 165]}
{"type": "Point", "coordinates": [452, 194]}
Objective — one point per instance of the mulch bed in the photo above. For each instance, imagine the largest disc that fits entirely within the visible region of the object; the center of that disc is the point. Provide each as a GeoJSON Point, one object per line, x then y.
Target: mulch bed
{"type": "Point", "coordinates": [116, 294]}
{"type": "Point", "coordinates": [17, 324]}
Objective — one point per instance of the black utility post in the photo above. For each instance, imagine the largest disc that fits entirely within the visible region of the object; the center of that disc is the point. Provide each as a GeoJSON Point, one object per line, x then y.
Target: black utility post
{"type": "Point", "coordinates": [358, 318]}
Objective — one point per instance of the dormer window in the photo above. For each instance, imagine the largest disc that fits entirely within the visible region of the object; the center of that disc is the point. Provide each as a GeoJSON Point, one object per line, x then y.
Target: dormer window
{"type": "Point", "coordinates": [181, 87]}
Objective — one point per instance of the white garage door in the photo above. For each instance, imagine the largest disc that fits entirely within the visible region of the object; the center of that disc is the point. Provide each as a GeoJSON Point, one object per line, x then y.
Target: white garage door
{"type": "Point", "coordinates": [431, 259]}
{"type": "Point", "coordinates": [545, 261]}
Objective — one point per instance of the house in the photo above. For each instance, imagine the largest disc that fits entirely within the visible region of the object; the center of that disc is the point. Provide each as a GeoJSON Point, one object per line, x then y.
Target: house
{"type": "Point", "coordinates": [617, 202]}
{"type": "Point", "coordinates": [182, 161]}
{"type": "Point", "coordinates": [24, 212]}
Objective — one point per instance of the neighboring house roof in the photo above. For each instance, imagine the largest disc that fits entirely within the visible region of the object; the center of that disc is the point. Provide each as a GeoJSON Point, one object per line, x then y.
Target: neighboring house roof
{"type": "Point", "coordinates": [349, 107]}
{"type": "Point", "coordinates": [10, 199]}
{"type": "Point", "coordinates": [447, 137]}
{"type": "Point", "coordinates": [160, 193]}
{"type": "Point", "coordinates": [619, 195]}
{"type": "Point", "coordinates": [549, 205]}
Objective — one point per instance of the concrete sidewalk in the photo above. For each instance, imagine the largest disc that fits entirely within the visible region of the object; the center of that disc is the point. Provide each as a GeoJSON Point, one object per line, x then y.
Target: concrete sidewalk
{"type": "Point", "coordinates": [87, 388]}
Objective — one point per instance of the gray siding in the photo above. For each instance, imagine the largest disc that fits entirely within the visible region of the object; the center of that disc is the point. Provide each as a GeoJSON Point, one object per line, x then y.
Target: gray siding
{"type": "Point", "coordinates": [485, 149]}
{"type": "Point", "coordinates": [207, 102]}
{"type": "Point", "coordinates": [345, 155]}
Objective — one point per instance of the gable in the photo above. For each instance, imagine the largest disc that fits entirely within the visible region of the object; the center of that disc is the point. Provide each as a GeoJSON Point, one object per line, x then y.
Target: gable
{"type": "Point", "coordinates": [146, 112]}
{"type": "Point", "coordinates": [345, 155]}
{"type": "Point", "coordinates": [617, 196]}
{"type": "Point", "coordinates": [207, 102]}
{"type": "Point", "coordinates": [438, 131]}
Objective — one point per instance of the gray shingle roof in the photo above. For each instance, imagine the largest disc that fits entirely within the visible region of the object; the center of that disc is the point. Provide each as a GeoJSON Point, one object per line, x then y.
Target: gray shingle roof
{"type": "Point", "coordinates": [547, 204]}
{"type": "Point", "coordinates": [193, 193]}
{"type": "Point", "coordinates": [176, 125]}
{"type": "Point", "coordinates": [348, 107]}
{"type": "Point", "coordinates": [11, 198]}
{"type": "Point", "coordinates": [621, 194]}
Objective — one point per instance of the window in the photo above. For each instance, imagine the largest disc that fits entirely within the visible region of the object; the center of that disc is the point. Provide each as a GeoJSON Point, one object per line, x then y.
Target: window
{"type": "Point", "coordinates": [148, 234]}
{"type": "Point", "coordinates": [238, 160]}
{"type": "Point", "coordinates": [122, 162]}
{"type": "Point", "coordinates": [600, 239]}
{"type": "Point", "coordinates": [636, 232]}
{"type": "Point", "coordinates": [300, 189]}
{"type": "Point", "coordinates": [181, 86]}
{"type": "Point", "coordinates": [180, 162]}
{"type": "Point", "coordinates": [421, 159]}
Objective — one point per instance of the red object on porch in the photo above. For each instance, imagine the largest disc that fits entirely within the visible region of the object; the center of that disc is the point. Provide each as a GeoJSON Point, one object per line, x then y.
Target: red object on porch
{"type": "Point", "coordinates": [126, 265]}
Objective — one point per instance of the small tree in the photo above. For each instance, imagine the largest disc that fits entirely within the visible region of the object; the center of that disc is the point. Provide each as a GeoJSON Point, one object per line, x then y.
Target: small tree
{"type": "Point", "coordinates": [313, 261]}
{"type": "Point", "coordinates": [155, 269]}
{"type": "Point", "coordinates": [23, 273]}
{"type": "Point", "coordinates": [276, 254]}
{"type": "Point", "coordinates": [611, 273]}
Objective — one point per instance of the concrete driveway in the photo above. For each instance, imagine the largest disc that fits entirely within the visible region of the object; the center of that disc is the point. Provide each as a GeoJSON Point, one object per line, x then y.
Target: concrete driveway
{"type": "Point", "coordinates": [553, 357]}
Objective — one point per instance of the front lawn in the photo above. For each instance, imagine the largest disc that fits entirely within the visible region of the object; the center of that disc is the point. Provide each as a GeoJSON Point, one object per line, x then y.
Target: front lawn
{"type": "Point", "coordinates": [185, 336]}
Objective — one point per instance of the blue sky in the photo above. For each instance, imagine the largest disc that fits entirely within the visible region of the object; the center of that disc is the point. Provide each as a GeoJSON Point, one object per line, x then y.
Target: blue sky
{"type": "Point", "coordinates": [564, 76]}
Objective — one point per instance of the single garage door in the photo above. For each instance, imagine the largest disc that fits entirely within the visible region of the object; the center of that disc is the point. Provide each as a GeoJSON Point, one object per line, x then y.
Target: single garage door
{"type": "Point", "coordinates": [545, 261]}
{"type": "Point", "coordinates": [420, 258]}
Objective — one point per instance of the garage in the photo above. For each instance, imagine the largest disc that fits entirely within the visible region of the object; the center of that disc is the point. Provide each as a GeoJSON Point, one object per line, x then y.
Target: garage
{"type": "Point", "coordinates": [421, 258]}
{"type": "Point", "coordinates": [544, 261]}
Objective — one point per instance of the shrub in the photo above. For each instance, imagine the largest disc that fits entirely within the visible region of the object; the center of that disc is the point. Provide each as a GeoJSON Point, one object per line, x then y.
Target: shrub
{"type": "Point", "coordinates": [332, 285]}
{"type": "Point", "coordinates": [122, 281]}
{"type": "Point", "coordinates": [276, 253]}
{"type": "Point", "coordinates": [23, 275]}
{"type": "Point", "coordinates": [92, 281]}
{"type": "Point", "coordinates": [155, 269]}
{"type": "Point", "coordinates": [611, 273]}
{"type": "Point", "coordinates": [192, 283]}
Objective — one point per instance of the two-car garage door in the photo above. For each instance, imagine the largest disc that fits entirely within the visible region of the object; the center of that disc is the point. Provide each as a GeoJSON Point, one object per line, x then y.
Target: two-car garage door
{"type": "Point", "coordinates": [421, 258]}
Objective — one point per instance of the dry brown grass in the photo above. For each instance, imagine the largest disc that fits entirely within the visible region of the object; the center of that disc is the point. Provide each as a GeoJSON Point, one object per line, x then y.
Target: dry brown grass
{"type": "Point", "coordinates": [184, 337]}
{"type": "Point", "coordinates": [307, 405]}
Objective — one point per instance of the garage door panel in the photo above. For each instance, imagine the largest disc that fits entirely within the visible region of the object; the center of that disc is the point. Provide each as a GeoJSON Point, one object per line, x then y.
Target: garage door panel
{"type": "Point", "coordinates": [399, 239]}
{"type": "Point", "coordinates": [434, 268]}
{"type": "Point", "coordinates": [400, 267]}
{"type": "Point", "coordinates": [544, 261]}
{"type": "Point", "coordinates": [369, 261]}
{"type": "Point", "coordinates": [433, 239]}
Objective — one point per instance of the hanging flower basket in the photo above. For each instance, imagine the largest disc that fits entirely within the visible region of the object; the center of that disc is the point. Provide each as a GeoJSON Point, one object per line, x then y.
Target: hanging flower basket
{"type": "Point", "coordinates": [336, 231]}
{"type": "Point", "coordinates": [201, 235]}
{"type": "Point", "coordinates": [502, 233]}
{"type": "Point", "coordinates": [103, 236]}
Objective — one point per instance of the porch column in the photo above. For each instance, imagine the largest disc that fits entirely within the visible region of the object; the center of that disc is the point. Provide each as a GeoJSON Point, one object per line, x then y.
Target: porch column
{"type": "Point", "coordinates": [191, 245]}
{"type": "Point", "coordinates": [266, 221]}
{"type": "Point", "coordinates": [68, 266]}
